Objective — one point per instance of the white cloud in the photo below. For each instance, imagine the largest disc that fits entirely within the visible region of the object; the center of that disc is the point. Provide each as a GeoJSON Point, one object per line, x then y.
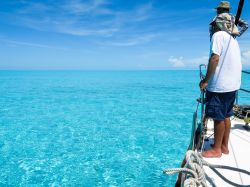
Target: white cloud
{"type": "Point", "coordinates": [80, 7]}
{"type": "Point", "coordinates": [131, 41]}
{"type": "Point", "coordinates": [246, 57]}
{"type": "Point", "coordinates": [33, 44]}
{"type": "Point", "coordinates": [176, 62]}
{"type": "Point", "coordinates": [74, 17]}
{"type": "Point", "coordinates": [197, 61]}
{"type": "Point", "coordinates": [87, 32]}
{"type": "Point", "coordinates": [31, 7]}
{"type": "Point", "coordinates": [80, 18]}
{"type": "Point", "coordinates": [246, 54]}
{"type": "Point", "coordinates": [142, 12]}
{"type": "Point", "coordinates": [180, 62]}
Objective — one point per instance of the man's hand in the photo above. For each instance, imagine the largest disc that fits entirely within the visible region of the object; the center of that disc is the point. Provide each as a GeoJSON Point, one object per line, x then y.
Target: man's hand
{"type": "Point", "coordinates": [203, 84]}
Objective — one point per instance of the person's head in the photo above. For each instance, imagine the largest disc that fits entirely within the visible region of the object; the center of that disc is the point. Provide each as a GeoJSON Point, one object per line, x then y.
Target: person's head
{"type": "Point", "coordinates": [224, 22]}
{"type": "Point", "coordinates": [223, 7]}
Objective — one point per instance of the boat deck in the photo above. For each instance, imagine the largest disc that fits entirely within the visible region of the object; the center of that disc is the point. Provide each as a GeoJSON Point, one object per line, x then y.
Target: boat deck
{"type": "Point", "coordinates": [238, 157]}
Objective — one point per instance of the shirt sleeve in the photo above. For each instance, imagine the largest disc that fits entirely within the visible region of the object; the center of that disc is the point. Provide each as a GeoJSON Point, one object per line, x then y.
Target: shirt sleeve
{"type": "Point", "coordinates": [216, 45]}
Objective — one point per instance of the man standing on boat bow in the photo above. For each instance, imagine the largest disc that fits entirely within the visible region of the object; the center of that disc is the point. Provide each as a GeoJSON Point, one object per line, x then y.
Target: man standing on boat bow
{"type": "Point", "coordinates": [222, 80]}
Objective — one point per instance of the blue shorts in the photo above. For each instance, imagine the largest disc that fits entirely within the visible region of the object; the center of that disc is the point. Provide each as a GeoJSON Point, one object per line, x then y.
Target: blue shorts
{"type": "Point", "coordinates": [219, 105]}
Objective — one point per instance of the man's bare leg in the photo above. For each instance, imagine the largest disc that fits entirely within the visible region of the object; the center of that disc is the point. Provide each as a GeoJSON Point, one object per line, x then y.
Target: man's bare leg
{"type": "Point", "coordinates": [224, 145]}
{"type": "Point", "coordinates": [219, 130]}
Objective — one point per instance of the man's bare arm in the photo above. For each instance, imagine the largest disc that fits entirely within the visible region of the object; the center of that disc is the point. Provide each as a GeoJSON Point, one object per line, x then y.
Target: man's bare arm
{"type": "Point", "coordinates": [213, 62]}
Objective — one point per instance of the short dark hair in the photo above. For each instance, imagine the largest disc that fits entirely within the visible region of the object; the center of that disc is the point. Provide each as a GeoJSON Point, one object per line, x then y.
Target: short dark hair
{"type": "Point", "coordinates": [222, 10]}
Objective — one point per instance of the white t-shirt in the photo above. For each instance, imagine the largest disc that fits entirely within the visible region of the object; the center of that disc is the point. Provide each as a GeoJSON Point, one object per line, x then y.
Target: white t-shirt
{"type": "Point", "coordinates": [227, 76]}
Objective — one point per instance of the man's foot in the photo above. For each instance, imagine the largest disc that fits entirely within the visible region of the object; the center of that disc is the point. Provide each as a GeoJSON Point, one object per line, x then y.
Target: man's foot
{"type": "Point", "coordinates": [224, 149]}
{"type": "Point", "coordinates": [211, 153]}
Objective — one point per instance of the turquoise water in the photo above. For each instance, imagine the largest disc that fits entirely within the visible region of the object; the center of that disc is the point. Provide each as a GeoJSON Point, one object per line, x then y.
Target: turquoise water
{"type": "Point", "coordinates": [90, 128]}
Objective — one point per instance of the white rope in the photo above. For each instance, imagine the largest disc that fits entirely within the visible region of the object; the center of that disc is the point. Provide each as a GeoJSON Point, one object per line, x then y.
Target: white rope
{"type": "Point", "coordinates": [193, 168]}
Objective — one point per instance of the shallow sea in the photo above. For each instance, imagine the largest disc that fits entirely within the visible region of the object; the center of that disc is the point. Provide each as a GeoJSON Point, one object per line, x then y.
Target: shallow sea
{"type": "Point", "coordinates": [95, 128]}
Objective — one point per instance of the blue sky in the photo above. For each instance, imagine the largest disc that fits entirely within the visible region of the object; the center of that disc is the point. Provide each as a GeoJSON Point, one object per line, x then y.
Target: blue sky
{"type": "Point", "coordinates": [109, 34]}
